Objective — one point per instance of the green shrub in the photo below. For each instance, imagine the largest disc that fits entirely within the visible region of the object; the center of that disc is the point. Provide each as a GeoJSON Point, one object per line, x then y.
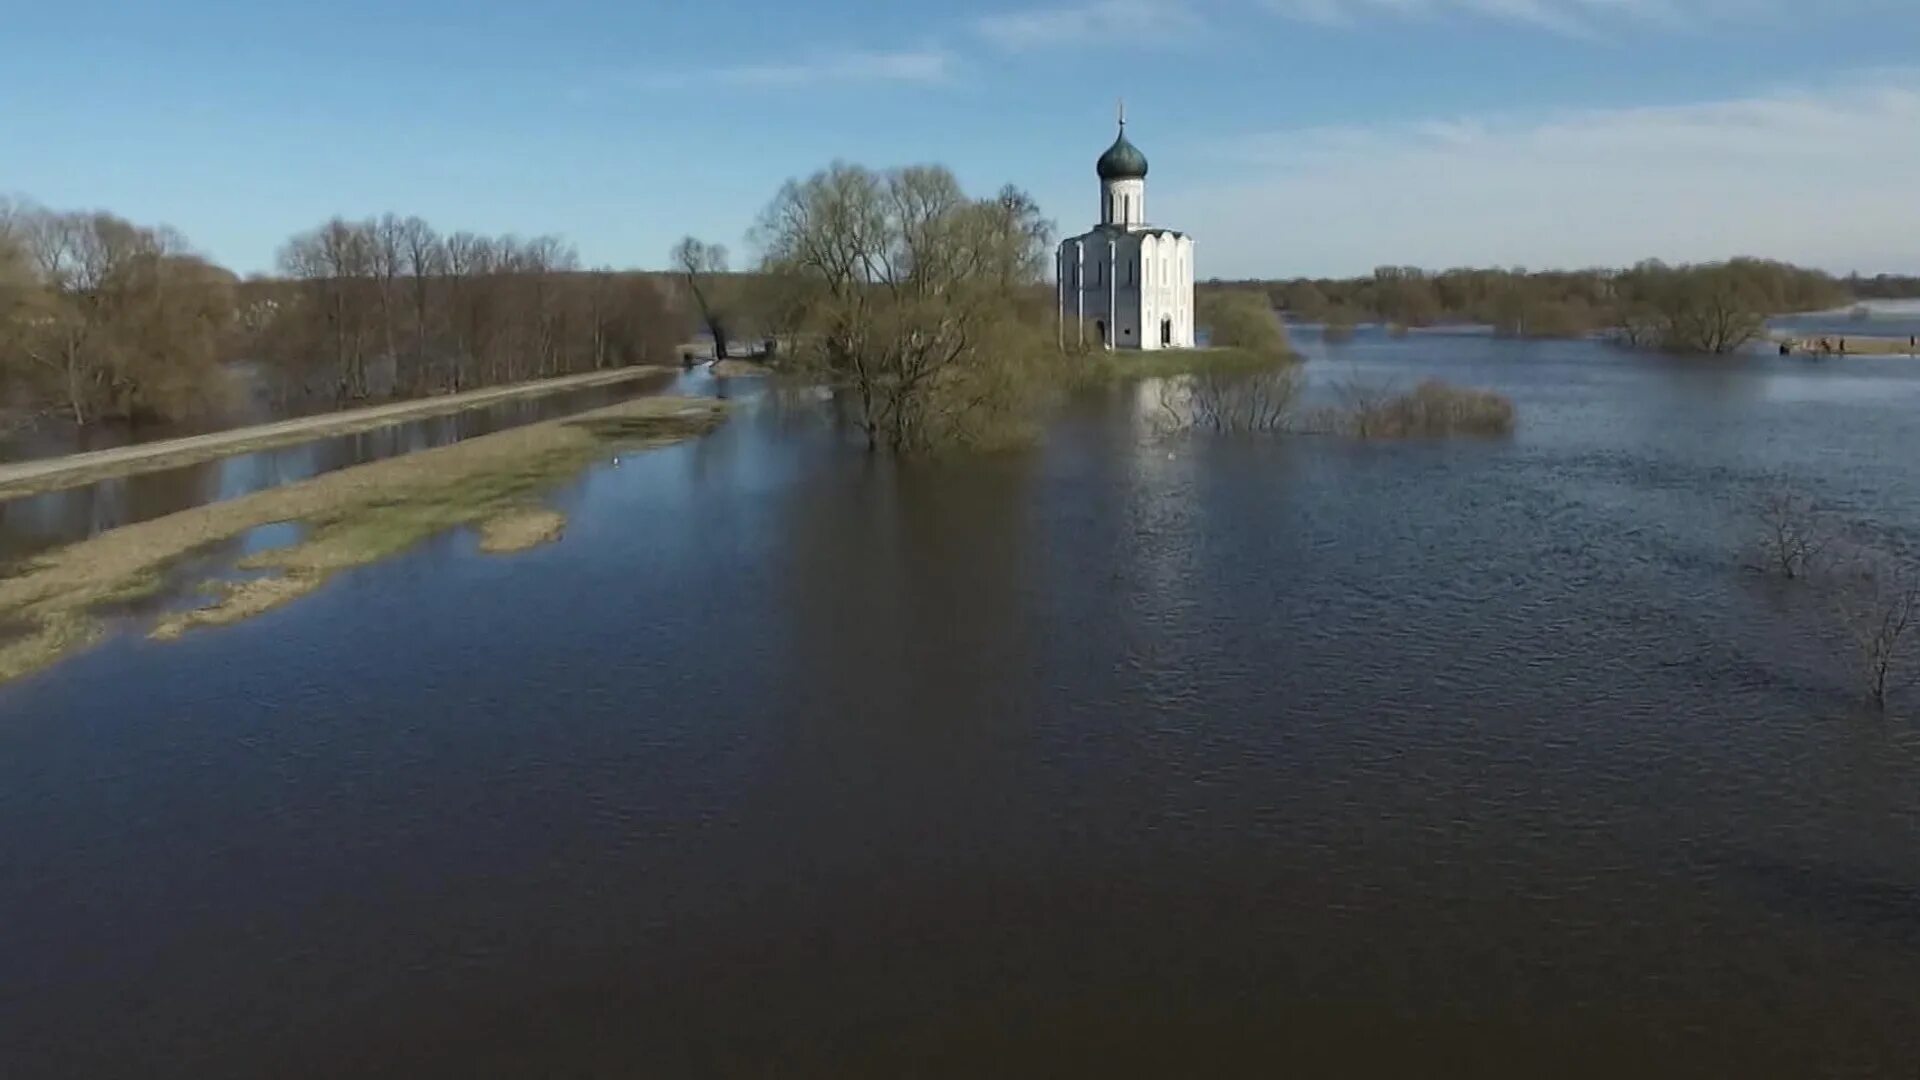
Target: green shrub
{"type": "Point", "coordinates": [1242, 319]}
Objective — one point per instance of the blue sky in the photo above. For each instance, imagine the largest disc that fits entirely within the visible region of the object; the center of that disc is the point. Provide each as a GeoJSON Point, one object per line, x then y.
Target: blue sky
{"type": "Point", "coordinates": [1290, 136]}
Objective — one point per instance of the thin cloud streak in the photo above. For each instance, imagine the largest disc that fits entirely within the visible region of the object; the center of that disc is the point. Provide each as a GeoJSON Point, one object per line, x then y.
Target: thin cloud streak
{"type": "Point", "coordinates": [1772, 175]}
{"type": "Point", "coordinates": [921, 67]}
{"type": "Point", "coordinates": [1096, 21]}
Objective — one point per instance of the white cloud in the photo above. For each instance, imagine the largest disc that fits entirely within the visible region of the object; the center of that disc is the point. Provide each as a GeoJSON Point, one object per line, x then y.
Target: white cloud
{"type": "Point", "coordinates": [1095, 21]}
{"type": "Point", "coordinates": [926, 67]}
{"type": "Point", "coordinates": [1816, 176]}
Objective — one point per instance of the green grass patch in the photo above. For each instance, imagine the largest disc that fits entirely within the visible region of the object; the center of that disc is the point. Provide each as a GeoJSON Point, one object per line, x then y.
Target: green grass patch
{"type": "Point", "coordinates": [132, 591]}
{"type": "Point", "coordinates": [50, 605]}
{"type": "Point", "coordinates": [44, 641]}
{"type": "Point", "coordinates": [1095, 367]}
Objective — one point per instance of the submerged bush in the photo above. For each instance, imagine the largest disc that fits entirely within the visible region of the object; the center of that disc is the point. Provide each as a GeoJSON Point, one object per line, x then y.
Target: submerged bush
{"type": "Point", "coordinates": [1225, 402]}
{"type": "Point", "coordinates": [1237, 403]}
{"type": "Point", "coordinates": [1432, 409]}
{"type": "Point", "coordinates": [1879, 607]}
{"type": "Point", "coordinates": [1792, 536]}
{"type": "Point", "coordinates": [1341, 324]}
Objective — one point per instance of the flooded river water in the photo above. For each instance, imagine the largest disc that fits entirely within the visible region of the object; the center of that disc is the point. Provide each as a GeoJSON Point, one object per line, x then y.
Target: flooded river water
{"type": "Point", "coordinates": [1122, 756]}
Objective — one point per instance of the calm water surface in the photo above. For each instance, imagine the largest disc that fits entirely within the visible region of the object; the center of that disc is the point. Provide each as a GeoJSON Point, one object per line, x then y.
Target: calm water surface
{"type": "Point", "coordinates": [1882, 318]}
{"type": "Point", "coordinates": [1118, 757]}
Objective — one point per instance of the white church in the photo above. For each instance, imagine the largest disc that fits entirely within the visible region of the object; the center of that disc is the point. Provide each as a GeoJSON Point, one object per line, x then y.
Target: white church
{"type": "Point", "coordinates": [1126, 284]}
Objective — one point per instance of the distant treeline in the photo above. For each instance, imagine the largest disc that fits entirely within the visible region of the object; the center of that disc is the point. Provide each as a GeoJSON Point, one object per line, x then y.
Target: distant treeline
{"type": "Point", "coordinates": [1713, 308]}
{"type": "Point", "coordinates": [104, 319]}
{"type": "Point", "coordinates": [1884, 287]}
{"type": "Point", "coordinates": [388, 306]}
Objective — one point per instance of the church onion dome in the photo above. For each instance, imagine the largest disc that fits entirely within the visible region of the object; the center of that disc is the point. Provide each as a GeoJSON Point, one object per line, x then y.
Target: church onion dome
{"type": "Point", "coordinates": [1123, 160]}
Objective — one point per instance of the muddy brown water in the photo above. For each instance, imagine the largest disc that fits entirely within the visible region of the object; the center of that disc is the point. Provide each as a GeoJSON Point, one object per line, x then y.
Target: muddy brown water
{"type": "Point", "coordinates": [1119, 757]}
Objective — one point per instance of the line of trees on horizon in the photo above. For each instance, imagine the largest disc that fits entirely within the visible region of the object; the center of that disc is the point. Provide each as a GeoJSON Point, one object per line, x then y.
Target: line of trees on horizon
{"type": "Point", "coordinates": [102, 319]}
{"type": "Point", "coordinates": [391, 307]}
{"type": "Point", "coordinates": [1702, 308]}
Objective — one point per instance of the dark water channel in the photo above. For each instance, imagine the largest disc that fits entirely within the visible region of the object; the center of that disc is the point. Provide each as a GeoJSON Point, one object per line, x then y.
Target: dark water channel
{"type": "Point", "coordinates": [1119, 757]}
{"type": "Point", "coordinates": [38, 522]}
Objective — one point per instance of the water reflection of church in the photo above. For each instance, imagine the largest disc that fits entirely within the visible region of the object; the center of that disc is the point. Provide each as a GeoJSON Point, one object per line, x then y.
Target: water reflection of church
{"type": "Point", "coordinates": [1126, 284]}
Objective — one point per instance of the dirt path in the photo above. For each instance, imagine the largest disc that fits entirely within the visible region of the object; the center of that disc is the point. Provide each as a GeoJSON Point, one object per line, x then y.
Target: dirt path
{"type": "Point", "coordinates": [60, 600]}
{"type": "Point", "coordinates": [74, 470]}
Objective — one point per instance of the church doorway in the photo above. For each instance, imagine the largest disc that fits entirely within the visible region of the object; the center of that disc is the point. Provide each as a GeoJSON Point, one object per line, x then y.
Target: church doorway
{"type": "Point", "coordinates": [1166, 331]}
{"type": "Point", "coordinates": [1100, 327]}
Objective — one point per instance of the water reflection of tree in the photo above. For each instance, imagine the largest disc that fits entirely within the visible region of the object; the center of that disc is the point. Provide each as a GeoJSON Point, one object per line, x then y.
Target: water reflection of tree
{"type": "Point", "coordinates": [908, 588]}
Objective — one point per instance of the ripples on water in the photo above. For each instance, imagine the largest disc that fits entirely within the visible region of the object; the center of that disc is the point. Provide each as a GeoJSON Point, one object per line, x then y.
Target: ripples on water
{"type": "Point", "coordinates": [1121, 756]}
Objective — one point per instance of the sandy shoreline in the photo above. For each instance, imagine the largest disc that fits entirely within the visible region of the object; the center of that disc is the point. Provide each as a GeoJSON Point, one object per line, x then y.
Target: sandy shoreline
{"type": "Point", "coordinates": [1856, 344]}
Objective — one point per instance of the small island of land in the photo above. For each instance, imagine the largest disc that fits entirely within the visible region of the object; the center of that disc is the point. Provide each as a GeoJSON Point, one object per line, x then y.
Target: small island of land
{"type": "Point", "coordinates": [1846, 345]}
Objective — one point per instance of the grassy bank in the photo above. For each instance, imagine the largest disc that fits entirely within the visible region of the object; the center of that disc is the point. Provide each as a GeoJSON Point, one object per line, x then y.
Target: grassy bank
{"type": "Point", "coordinates": [54, 604]}
{"type": "Point", "coordinates": [1101, 366]}
{"type": "Point", "coordinates": [738, 369]}
{"type": "Point", "coordinates": [77, 470]}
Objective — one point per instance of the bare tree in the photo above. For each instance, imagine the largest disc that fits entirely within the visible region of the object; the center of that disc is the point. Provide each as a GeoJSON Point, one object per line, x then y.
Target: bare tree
{"type": "Point", "coordinates": [546, 262]}
{"type": "Point", "coordinates": [386, 259]}
{"type": "Point", "coordinates": [336, 265]}
{"type": "Point", "coordinates": [117, 321]}
{"type": "Point", "coordinates": [1879, 606]}
{"type": "Point", "coordinates": [21, 297]}
{"type": "Point", "coordinates": [469, 261]}
{"type": "Point", "coordinates": [1792, 538]}
{"type": "Point", "coordinates": [702, 265]}
{"type": "Point", "coordinates": [424, 261]}
{"type": "Point", "coordinates": [113, 319]}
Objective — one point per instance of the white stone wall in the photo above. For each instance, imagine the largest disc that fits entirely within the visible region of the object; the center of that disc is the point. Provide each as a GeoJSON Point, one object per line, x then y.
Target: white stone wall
{"type": "Point", "coordinates": [1169, 316]}
{"type": "Point", "coordinates": [1126, 312]}
{"type": "Point", "coordinates": [1092, 301]}
{"type": "Point", "coordinates": [1137, 287]}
